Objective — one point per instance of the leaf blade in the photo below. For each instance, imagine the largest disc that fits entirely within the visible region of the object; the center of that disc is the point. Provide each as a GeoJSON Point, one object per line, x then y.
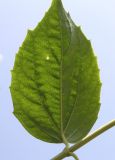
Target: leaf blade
{"type": "Point", "coordinates": [52, 80]}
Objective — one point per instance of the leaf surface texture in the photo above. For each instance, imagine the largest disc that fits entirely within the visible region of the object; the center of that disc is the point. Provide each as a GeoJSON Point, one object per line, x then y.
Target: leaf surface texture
{"type": "Point", "coordinates": [55, 80]}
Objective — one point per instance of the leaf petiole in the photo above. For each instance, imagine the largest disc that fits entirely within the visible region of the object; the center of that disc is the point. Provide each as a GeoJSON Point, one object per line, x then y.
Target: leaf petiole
{"type": "Point", "coordinates": [67, 148]}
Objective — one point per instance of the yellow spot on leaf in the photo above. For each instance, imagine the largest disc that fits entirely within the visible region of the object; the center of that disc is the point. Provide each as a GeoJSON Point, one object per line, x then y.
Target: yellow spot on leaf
{"type": "Point", "coordinates": [47, 58]}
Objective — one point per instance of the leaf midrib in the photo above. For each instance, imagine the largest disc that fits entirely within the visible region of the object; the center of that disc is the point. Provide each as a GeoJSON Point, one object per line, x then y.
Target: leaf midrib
{"type": "Point", "coordinates": [61, 74]}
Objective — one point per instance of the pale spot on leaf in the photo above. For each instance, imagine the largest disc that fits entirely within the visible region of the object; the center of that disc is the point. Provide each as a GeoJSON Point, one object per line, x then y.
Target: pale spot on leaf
{"type": "Point", "coordinates": [47, 58]}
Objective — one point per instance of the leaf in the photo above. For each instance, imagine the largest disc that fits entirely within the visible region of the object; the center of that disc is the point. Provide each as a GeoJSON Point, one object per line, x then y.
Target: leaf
{"type": "Point", "coordinates": [55, 80]}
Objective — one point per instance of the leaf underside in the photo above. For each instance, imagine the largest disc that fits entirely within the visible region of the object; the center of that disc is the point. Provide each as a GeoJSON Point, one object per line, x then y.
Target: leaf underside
{"type": "Point", "coordinates": [55, 80]}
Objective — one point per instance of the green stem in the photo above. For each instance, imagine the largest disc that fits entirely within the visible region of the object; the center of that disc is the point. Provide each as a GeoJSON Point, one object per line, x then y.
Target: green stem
{"type": "Point", "coordinates": [67, 148]}
{"type": "Point", "coordinates": [74, 156]}
{"type": "Point", "coordinates": [84, 141]}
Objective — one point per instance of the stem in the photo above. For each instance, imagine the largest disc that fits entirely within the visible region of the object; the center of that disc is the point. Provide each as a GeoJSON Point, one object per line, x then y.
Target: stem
{"type": "Point", "coordinates": [74, 156]}
{"type": "Point", "coordinates": [67, 148]}
{"type": "Point", "coordinates": [84, 141]}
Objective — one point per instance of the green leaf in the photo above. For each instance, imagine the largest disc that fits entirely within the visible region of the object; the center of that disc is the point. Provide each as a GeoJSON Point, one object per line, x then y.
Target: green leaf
{"type": "Point", "coordinates": [55, 80]}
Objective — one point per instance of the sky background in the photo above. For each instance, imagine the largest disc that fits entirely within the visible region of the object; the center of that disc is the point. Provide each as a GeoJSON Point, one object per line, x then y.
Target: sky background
{"type": "Point", "coordinates": [97, 19]}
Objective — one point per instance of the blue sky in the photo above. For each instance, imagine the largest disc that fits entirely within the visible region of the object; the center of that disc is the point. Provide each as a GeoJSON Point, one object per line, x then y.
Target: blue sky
{"type": "Point", "coordinates": [97, 21]}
